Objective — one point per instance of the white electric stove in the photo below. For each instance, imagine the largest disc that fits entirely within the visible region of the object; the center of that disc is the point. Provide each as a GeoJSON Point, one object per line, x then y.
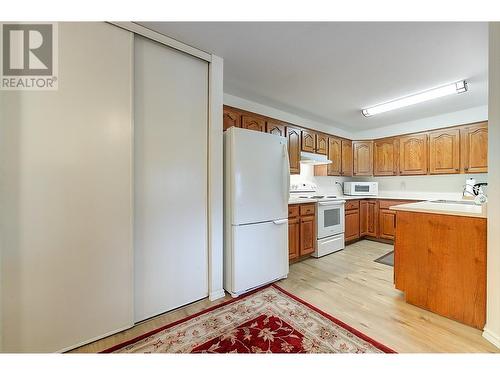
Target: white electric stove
{"type": "Point", "coordinates": [330, 219]}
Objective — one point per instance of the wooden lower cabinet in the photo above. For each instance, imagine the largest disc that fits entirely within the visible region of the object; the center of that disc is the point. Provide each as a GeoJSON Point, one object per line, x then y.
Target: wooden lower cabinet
{"type": "Point", "coordinates": [440, 264]}
{"type": "Point", "coordinates": [387, 224]}
{"type": "Point", "coordinates": [368, 218]}
{"type": "Point", "coordinates": [301, 230]}
{"type": "Point", "coordinates": [371, 218]}
{"type": "Point", "coordinates": [351, 231]}
{"type": "Point", "coordinates": [293, 238]}
{"type": "Point", "coordinates": [307, 235]}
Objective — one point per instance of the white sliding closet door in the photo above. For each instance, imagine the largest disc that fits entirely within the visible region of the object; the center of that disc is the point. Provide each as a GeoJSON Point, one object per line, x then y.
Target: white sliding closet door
{"type": "Point", "coordinates": [170, 169]}
{"type": "Point", "coordinates": [66, 197]}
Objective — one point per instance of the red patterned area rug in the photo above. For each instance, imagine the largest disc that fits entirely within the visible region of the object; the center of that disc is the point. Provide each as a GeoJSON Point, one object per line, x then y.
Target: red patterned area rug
{"type": "Point", "coordinates": [268, 320]}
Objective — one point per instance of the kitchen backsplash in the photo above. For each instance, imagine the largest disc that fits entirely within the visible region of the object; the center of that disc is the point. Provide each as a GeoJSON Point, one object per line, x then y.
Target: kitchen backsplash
{"type": "Point", "coordinates": [435, 184]}
{"type": "Point", "coordinates": [326, 185]}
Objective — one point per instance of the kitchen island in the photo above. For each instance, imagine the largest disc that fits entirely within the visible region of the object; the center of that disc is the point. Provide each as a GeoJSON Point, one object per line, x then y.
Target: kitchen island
{"type": "Point", "coordinates": [440, 259]}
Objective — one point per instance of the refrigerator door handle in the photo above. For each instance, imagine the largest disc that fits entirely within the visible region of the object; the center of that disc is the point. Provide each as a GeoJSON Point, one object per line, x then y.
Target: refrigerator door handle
{"type": "Point", "coordinates": [286, 173]}
{"type": "Point", "coordinates": [279, 222]}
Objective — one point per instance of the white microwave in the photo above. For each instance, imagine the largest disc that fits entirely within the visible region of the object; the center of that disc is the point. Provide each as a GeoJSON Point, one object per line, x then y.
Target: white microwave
{"type": "Point", "coordinates": [360, 188]}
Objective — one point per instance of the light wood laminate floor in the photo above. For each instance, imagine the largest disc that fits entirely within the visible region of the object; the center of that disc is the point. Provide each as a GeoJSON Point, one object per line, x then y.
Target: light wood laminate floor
{"type": "Point", "coordinates": [353, 288]}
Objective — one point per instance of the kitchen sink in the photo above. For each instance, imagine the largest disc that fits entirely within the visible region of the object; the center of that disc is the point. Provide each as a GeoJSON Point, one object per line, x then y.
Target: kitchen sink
{"type": "Point", "coordinates": [469, 203]}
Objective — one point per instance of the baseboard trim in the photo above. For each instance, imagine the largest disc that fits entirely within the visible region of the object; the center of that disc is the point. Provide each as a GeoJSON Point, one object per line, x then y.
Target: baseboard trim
{"type": "Point", "coordinates": [492, 337]}
{"type": "Point", "coordinates": [67, 349]}
{"type": "Point", "coordinates": [216, 295]}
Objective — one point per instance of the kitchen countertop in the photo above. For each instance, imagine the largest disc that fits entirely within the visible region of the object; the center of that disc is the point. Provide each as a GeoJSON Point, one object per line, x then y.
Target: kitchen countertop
{"type": "Point", "coordinates": [425, 205]}
{"type": "Point", "coordinates": [409, 195]}
{"type": "Point", "coordinates": [455, 209]}
{"type": "Point", "coordinates": [301, 200]}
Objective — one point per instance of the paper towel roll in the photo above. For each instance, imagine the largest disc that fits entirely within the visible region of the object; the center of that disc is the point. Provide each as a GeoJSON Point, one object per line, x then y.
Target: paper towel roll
{"type": "Point", "coordinates": [469, 188]}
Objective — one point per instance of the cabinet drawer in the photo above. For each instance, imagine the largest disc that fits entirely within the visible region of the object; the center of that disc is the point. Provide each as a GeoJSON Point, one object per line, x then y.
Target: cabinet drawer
{"type": "Point", "coordinates": [307, 209]}
{"type": "Point", "coordinates": [351, 205]}
{"type": "Point", "coordinates": [293, 211]}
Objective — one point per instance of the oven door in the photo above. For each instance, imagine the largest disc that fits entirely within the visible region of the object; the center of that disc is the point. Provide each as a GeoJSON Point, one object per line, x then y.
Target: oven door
{"type": "Point", "coordinates": [330, 218]}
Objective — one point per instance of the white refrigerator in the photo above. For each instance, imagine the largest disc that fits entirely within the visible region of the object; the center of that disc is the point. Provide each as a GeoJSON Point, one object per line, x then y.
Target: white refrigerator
{"type": "Point", "coordinates": [256, 183]}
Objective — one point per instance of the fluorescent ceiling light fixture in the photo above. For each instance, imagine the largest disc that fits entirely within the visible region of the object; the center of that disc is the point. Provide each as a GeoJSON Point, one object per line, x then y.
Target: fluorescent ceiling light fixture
{"type": "Point", "coordinates": [452, 88]}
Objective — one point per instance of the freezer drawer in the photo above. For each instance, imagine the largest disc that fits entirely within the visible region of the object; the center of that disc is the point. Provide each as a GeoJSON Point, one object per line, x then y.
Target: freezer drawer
{"type": "Point", "coordinates": [259, 255]}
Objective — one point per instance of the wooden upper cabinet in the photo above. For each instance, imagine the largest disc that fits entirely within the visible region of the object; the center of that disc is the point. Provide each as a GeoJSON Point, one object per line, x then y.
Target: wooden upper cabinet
{"type": "Point", "coordinates": [385, 157]}
{"type": "Point", "coordinates": [458, 149]}
{"type": "Point", "coordinates": [308, 141]}
{"type": "Point", "coordinates": [335, 155]}
{"type": "Point", "coordinates": [346, 162]}
{"type": "Point", "coordinates": [413, 154]}
{"type": "Point", "coordinates": [363, 158]}
{"type": "Point", "coordinates": [293, 137]}
{"type": "Point", "coordinates": [230, 118]}
{"type": "Point", "coordinates": [444, 151]}
{"type": "Point", "coordinates": [275, 127]}
{"type": "Point", "coordinates": [253, 123]}
{"type": "Point", "coordinates": [321, 144]}
{"type": "Point", "coordinates": [475, 148]}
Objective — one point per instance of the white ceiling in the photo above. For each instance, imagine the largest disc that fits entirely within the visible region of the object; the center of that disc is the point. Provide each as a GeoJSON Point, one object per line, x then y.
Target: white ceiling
{"type": "Point", "coordinates": [328, 71]}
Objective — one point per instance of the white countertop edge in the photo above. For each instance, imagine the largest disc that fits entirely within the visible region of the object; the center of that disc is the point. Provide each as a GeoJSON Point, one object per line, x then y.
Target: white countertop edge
{"type": "Point", "coordinates": [416, 196]}
{"type": "Point", "coordinates": [441, 209]}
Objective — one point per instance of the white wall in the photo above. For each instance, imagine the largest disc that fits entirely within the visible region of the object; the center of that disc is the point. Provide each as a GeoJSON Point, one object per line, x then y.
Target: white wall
{"type": "Point", "coordinates": [265, 110]}
{"type": "Point", "coordinates": [492, 328]}
{"type": "Point", "coordinates": [215, 180]}
{"type": "Point", "coordinates": [452, 184]}
{"type": "Point", "coordinates": [326, 184]}
{"type": "Point", "coordinates": [465, 116]}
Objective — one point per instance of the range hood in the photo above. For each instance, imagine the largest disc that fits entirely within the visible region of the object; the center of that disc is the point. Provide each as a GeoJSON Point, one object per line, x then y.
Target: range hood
{"type": "Point", "coordinates": [313, 159]}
